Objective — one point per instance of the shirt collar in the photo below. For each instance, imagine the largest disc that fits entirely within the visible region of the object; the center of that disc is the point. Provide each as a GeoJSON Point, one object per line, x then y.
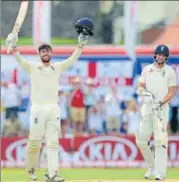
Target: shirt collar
{"type": "Point", "coordinates": [157, 69]}
{"type": "Point", "coordinates": [42, 66]}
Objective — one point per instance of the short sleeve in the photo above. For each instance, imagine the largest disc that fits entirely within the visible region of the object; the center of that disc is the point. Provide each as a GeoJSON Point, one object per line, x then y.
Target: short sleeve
{"type": "Point", "coordinates": [172, 78]}
{"type": "Point", "coordinates": [142, 77]}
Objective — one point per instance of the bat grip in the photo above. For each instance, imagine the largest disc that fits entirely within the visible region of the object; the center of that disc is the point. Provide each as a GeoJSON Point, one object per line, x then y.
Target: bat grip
{"type": "Point", "coordinates": [9, 48]}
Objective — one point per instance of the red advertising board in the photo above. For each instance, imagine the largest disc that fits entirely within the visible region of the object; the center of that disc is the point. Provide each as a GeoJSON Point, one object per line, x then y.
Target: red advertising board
{"type": "Point", "coordinates": [101, 151]}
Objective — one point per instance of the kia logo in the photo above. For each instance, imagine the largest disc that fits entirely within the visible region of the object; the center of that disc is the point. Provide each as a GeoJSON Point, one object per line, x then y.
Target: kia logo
{"type": "Point", "coordinates": [14, 146]}
{"type": "Point", "coordinates": [19, 147]}
{"type": "Point", "coordinates": [108, 148]}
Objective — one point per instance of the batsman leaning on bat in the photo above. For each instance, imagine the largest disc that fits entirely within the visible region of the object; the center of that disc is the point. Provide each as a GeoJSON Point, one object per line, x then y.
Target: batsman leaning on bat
{"type": "Point", "coordinates": [45, 112]}
{"type": "Point", "coordinates": [157, 86]}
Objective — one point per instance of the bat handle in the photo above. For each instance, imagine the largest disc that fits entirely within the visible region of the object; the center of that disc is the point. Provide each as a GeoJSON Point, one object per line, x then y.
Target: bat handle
{"type": "Point", "coordinates": [9, 48]}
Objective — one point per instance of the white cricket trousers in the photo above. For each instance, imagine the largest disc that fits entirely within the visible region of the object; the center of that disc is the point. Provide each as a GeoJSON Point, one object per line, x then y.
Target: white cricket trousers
{"type": "Point", "coordinates": [148, 121]}
{"type": "Point", "coordinates": [151, 125]}
{"type": "Point", "coordinates": [45, 122]}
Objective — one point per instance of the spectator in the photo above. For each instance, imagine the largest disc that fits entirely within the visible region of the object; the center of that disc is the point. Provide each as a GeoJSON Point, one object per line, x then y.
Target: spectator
{"type": "Point", "coordinates": [113, 111]}
{"type": "Point", "coordinates": [3, 118]}
{"type": "Point", "coordinates": [24, 94]}
{"type": "Point", "coordinates": [77, 107]}
{"type": "Point", "coordinates": [101, 107]}
{"type": "Point", "coordinates": [174, 104]}
{"type": "Point", "coordinates": [90, 97]}
{"type": "Point", "coordinates": [11, 99]}
{"type": "Point", "coordinates": [95, 121]}
{"type": "Point", "coordinates": [63, 102]}
{"type": "Point", "coordinates": [131, 117]}
{"type": "Point", "coordinates": [12, 126]}
{"type": "Point", "coordinates": [24, 113]}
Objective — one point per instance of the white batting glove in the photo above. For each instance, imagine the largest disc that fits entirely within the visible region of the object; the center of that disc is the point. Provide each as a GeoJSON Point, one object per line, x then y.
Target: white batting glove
{"type": "Point", "coordinates": [158, 106]}
{"type": "Point", "coordinates": [83, 39]}
{"type": "Point", "coordinates": [146, 94]}
{"type": "Point", "coordinates": [148, 97]}
{"type": "Point", "coordinates": [11, 40]}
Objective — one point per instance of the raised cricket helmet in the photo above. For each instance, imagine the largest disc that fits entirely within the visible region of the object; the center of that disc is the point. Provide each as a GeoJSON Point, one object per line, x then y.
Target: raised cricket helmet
{"type": "Point", "coordinates": [85, 26]}
{"type": "Point", "coordinates": [162, 49]}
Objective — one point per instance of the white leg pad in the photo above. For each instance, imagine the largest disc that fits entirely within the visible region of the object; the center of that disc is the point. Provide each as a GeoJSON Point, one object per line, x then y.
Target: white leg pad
{"type": "Point", "coordinates": [33, 151]}
{"type": "Point", "coordinates": [52, 158]}
{"type": "Point", "coordinates": [161, 145]}
{"type": "Point", "coordinates": [161, 156]}
{"type": "Point", "coordinates": [146, 151]}
{"type": "Point", "coordinates": [161, 160]}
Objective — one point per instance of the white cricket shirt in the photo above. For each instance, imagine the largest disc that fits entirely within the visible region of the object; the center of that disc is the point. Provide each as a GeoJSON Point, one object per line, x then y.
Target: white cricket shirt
{"type": "Point", "coordinates": [158, 80]}
{"type": "Point", "coordinates": [45, 79]}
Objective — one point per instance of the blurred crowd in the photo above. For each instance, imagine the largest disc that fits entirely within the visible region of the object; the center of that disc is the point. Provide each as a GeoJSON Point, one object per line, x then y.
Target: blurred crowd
{"type": "Point", "coordinates": [83, 111]}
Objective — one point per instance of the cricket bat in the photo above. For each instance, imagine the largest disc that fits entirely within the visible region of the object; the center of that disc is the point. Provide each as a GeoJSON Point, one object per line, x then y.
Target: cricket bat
{"type": "Point", "coordinates": [19, 20]}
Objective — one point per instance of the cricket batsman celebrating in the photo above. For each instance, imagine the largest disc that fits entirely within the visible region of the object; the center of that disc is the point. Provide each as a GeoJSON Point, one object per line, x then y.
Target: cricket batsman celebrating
{"type": "Point", "coordinates": [157, 86]}
{"type": "Point", "coordinates": [45, 112]}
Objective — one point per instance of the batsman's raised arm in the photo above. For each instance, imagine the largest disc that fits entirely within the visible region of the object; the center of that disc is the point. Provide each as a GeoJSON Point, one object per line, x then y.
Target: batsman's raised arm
{"type": "Point", "coordinates": [84, 27]}
{"type": "Point", "coordinates": [82, 39]}
{"type": "Point", "coordinates": [12, 41]}
{"type": "Point", "coordinates": [22, 62]}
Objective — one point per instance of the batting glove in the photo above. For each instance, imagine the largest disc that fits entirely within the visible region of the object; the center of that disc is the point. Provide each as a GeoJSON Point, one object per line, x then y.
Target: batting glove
{"type": "Point", "coordinates": [11, 40]}
{"type": "Point", "coordinates": [158, 106]}
{"type": "Point", "coordinates": [83, 39]}
{"type": "Point", "coordinates": [148, 97]}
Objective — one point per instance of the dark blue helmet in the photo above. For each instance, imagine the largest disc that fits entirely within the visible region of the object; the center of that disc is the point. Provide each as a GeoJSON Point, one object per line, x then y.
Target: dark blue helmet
{"type": "Point", "coordinates": [85, 26]}
{"type": "Point", "coordinates": [162, 49]}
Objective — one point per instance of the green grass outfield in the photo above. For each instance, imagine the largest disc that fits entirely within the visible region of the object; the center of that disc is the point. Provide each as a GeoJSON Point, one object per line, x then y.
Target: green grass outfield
{"type": "Point", "coordinates": [90, 175]}
{"type": "Point", "coordinates": [55, 41]}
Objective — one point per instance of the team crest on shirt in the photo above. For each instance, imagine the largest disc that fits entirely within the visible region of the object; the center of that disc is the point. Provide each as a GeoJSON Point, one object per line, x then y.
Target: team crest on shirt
{"type": "Point", "coordinates": [163, 73]}
{"type": "Point", "coordinates": [151, 70]}
{"type": "Point", "coordinates": [35, 120]}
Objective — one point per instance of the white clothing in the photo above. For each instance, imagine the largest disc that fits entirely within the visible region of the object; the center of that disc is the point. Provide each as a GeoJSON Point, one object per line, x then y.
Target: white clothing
{"type": "Point", "coordinates": [95, 121]}
{"type": "Point", "coordinates": [44, 121]}
{"type": "Point", "coordinates": [150, 124]}
{"type": "Point", "coordinates": [63, 106]}
{"type": "Point", "coordinates": [25, 91]}
{"type": "Point", "coordinates": [10, 96]}
{"type": "Point", "coordinates": [112, 106]}
{"type": "Point", "coordinates": [45, 112]}
{"type": "Point", "coordinates": [158, 80]}
{"type": "Point", "coordinates": [133, 120]}
{"type": "Point", "coordinates": [90, 98]}
{"type": "Point", "coordinates": [45, 79]}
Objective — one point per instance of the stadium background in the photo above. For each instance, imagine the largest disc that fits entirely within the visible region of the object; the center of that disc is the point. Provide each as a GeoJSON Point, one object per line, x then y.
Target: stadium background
{"type": "Point", "coordinates": [110, 63]}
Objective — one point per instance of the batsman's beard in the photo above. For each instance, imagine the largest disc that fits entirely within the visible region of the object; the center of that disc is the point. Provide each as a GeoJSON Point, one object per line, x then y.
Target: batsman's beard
{"type": "Point", "coordinates": [44, 60]}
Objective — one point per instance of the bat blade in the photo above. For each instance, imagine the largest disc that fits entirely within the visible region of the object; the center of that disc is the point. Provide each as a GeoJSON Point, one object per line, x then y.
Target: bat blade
{"type": "Point", "coordinates": [19, 19]}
